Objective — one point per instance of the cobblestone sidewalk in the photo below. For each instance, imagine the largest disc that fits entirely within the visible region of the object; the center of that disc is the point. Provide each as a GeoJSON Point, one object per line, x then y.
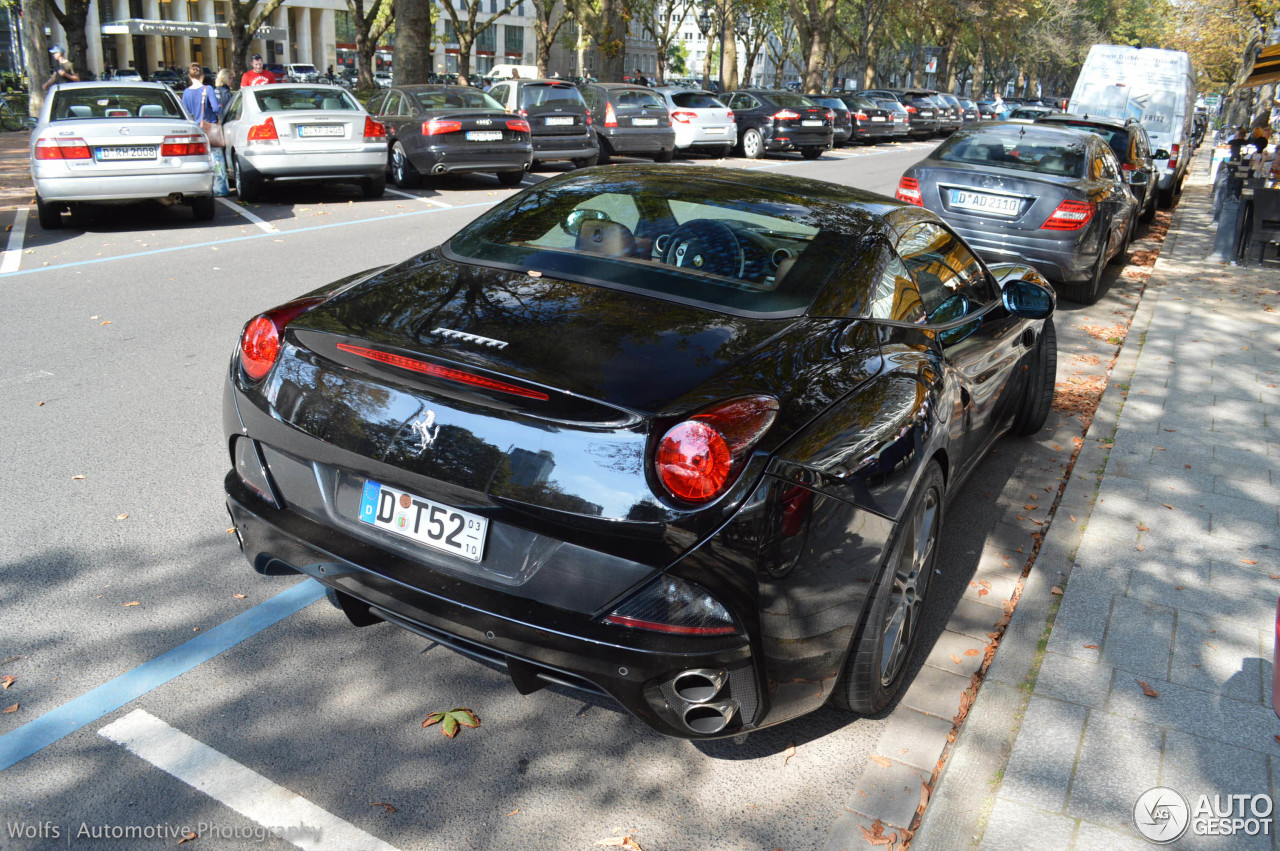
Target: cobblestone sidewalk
{"type": "Point", "coordinates": [1154, 667]}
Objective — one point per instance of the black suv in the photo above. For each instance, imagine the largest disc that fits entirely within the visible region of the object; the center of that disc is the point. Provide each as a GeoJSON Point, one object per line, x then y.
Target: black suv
{"type": "Point", "coordinates": [1128, 138]}
{"type": "Point", "coordinates": [779, 121]}
{"type": "Point", "coordinates": [559, 120]}
{"type": "Point", "coordinates": [922, 110]}
{"type": "Point", "coordinates": [630, 120]}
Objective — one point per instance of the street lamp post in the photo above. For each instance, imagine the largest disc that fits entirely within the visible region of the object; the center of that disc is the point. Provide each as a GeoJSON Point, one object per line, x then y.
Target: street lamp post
{"type": "Point", "coordinates": [704, 27]}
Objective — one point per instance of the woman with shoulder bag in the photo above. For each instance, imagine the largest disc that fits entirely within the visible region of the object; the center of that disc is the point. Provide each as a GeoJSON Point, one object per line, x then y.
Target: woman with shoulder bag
{"type": "Point", "coordinates": [202, 102]}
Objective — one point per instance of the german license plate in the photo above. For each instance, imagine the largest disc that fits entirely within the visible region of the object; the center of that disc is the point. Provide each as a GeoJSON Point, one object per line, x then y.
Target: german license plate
{"type": "Point", "coordinates": [644, 122]}
{"type": "Point", "coordinates": [308, 131]}
{"type": "Point", "coordinates": [713, 131]}
{"type": "Point", "coordinates": [426, 521]}
{"type": "Point", "coordinates": [812, 122]}
{"type": "Point", "coordinates": [135, 152]}
{"type": "Point", "coordinates": [1001, 205]}
{"type": "Point", "coordinates": [484, 135]}
{"type": "Point", "coordinates": [877, 118]}
{"type": "Point", "coordinates": [559, 120]}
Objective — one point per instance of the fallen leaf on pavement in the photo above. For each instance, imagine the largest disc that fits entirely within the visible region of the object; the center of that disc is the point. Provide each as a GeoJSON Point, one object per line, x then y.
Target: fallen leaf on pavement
{"type": "Point", "coordinates": [76, 478]}
{"type": "Point", "coordinates": [8, 680]}
{"type": "Point", "coordinates": [1248, 561]}
{"type": "Point", "coordinates": [924, 795]}
{"type": "Point", "coordinates": [9, 710]}
{"type": "Point", "coordinates": [1091, 647]}
{"type": "Point", "coordinates": [876, 835]}
{"type": "Point", "coordinates": [122, 516]}
{"type": "Point", "coordinates": [513, 812]}
{"type": "Point", "coordinates": [187, 837]}
{"type": "Point", "coordinates": [133, 603]}
{"type": "Point", "coordinates": [1142, 527]}
{"type": "Point", "coordinates": [956, 659]}
{"type": "Point", "coordinates": [972, 651]}
{"type": "Point", "coordinates": [619, 842]}
{"type": "Point", "coordinates": [1167, 505]}
{"type": "Point", "coordinates": [386, 807]}
{"type": "Point", "coordinates": [880, 761]}
{"type": "Point", "coordinates": [1148, 690]}
{"type": "Point", "coordinates": [1029, 507]}
{"type": "Point", "coordinates": [452, 721]}
{"type": "Point", "coordinates": [789, 752]}
{"type": "Point", "coordinates": [1057, 589]}
{"type": "Point", "coordinates": [238, 596]}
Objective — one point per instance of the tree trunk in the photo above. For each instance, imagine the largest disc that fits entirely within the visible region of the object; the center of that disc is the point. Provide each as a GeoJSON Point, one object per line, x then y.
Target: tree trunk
{"type": "Point", "coordinates": [37, 48]}
{"type": "Point", "coordinates": [612, 41]}
{"type": "Point", "coordinates": [413, 42]}
{"type": "Point", "coordinates": [72, 22]}
{"type": "Point", "coordinates": [244, 26]}
{"type": "Point", "coordinates": [730, 59]}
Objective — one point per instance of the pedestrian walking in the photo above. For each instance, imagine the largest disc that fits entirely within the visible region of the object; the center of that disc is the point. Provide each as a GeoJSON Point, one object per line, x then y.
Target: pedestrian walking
{"type": "Point", "coordinates": [63, 72]}
{"type": "Point", "coordinates": [200, 99]}
{"type": "Point", "coordinates": [258, 75]}
{"type": "Point", "coordinates": [222, 89]}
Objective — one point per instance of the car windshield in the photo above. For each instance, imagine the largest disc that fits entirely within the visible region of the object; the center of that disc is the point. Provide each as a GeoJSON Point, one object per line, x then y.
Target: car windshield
{"type": "Point", "coordinates": [458, 98]}
{"type": "Point", "coordinates": [891, 105]}
{"type": "Point", "coordinates": [77, 104]}
{"type": "Point", "coordinates": [711, 241]}
{"type": "Point", "coordinates": [304, 69]}
{"type": "Point", "coordinates": [549, 94]}
{"type": "Point", "coordinates": [696, 100]}
{"type": "Point", "coordinates": [860, 103]}
{"type": "Point", "coordinates": [1043, 152]}
{"type": "Point", "coordinates": [831, 103]}
{"type": "Point", "coordinates": [329, 99]}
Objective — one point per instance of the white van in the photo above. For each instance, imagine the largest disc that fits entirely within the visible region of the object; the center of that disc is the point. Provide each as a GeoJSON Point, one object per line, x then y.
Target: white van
{"type": "Point", "coordinates": [506, 72]}
{"type": "Point", "coordinates": [1158, 88]}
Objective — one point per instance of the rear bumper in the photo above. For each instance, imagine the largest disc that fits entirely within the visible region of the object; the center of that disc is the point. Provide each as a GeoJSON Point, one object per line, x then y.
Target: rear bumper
{"type": "Point", "coordinates": [279, 165]}
{"type": "Point", "coordinates": [562, 148]}
{"type": "Point", "coordinates": [880, 130]}
{"type": "Point", "coordinates": [791, 139]}
{"type": "Point", "coordinates": [1059, 260]}
{"type": "Point", "coordinates": [452, 160]}
{"type": "Point", "coordinates": [642, 141]}
{"type": "Point", "coordinates": [537, 644]}
{"type": "Point", "coordinates": [698, 137]}
{"type": "Point", "coordinates": [124, 188]}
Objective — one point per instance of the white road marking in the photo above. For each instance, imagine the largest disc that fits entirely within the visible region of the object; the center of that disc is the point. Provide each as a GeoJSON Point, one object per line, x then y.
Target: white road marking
{"type": "Point", "coordinates": [11, 259]}
{"type": "Point", "coordinates": [299, 821]}
{"type": "Point", "coordinates": [433, 202]}
{"type": "Point", "coordinates": [262, 224]}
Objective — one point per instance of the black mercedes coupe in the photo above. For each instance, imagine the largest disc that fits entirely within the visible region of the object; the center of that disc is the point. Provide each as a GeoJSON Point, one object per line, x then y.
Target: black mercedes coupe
{"type": "Point", "coordinates": [680, 436]}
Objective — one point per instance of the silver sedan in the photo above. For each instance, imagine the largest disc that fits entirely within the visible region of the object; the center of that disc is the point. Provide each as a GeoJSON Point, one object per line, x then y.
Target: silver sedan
{"type": "Point", "coordinates": [702, 123]}
{"type": "Point", "coordinates": [302, 132]}
{"type": "Point", "coordinates": [102, 143]}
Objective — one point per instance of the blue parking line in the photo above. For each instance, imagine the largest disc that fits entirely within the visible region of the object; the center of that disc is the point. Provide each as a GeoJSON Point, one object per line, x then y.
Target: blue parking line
{"type": "Point", "coordinates": [230, 240]}
{"type": "Point", "coordinates": [36, 735]}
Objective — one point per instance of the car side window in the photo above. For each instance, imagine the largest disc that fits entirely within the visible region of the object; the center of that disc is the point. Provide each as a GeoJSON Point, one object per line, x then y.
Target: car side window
{"type": "Point", "coordinates": [951, 280]}
{"type": "Point", "coordinates": [895, 296]}
{"type": "Point", "coordinates": [233, 109]}
{"type": "Point", "coordinates": [500, 93]}
{"type": "Point", "coordinates": [593, 99]}
{"type": "Point", "coordinates": [375, 103]}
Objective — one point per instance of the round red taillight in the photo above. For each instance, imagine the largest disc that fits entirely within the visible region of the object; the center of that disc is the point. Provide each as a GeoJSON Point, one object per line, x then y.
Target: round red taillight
{"type": "Point", "coordinates": [694, 461]}
{"type": "Point", "coordinates": [259, 347]}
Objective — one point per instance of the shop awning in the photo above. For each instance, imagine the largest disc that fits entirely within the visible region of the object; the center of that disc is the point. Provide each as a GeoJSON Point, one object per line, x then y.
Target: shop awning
{"type": "Point", "coordinates": [1266, 68]}
{"type": "Point", "coordinates": [183, 29]}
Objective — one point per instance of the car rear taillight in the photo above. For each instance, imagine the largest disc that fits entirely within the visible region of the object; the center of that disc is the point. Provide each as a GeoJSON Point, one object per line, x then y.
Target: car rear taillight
{"type": "Point", "coordinates": [264, 132]}
{"type": "Point", "coordinates": [185, 146]}
{"type": "Point", "coordinates": [1173, 156]}
{"type": "Point", "coordinates": [912, 110]}
{"type": "Point", "coordinates": [518, 126]}
{"type": "Point", "coordinates": [697, 459]}
{"type": "Point", "coordinates": [523, 113]}
{"type": "Point", "coordinates": [260, 340]}
{"type": "Point", "coordinates": [62, 149]}
{"type": "Point", "coordinates": [861, 116]}
{"type": "Point", "coordinates": [588, 117]}
{"type": "Point", "coordinates": [785, 115]}
{"type": "Point", "coordinates": [440, 126]}
{"type": "Point", "coordinates": [1070, 215]}
{"type": "Point", "coordinates": [683, 117]}
{"type": "Point", "coordinates": [374, 130]}
{"type": "Point", "coordinates": [610, 117]}
{"type": "Point", "coordinates": [674, 606]}
{"type": "Point", "coordinates": [831, 116]}
{"type": "Point", "coordinates": [1126, 166]}
{"type": "Point", "coordinates": [909, 191]}
{"type": "Point", "coordinates": [729, 114]}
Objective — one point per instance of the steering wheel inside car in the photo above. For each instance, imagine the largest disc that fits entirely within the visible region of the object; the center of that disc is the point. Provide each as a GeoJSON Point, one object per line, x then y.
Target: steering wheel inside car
{"type": "Point", "coordinates": [705, 245]}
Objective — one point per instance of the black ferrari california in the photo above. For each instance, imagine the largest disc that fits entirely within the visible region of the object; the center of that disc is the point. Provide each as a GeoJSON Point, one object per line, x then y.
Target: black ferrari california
{"type": "Point", "coordinates": [683, 438]}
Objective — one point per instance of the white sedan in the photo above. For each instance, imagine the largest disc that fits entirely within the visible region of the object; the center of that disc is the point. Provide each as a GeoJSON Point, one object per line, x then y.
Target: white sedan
{"type": "Point", "coordinates": [103, 143]}
{"type": "Point", "coordinates": [309, 132]}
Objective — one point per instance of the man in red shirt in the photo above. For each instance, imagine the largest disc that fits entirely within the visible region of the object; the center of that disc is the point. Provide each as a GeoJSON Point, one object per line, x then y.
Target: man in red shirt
{"type": "Point", "coordinates": [259, 76]}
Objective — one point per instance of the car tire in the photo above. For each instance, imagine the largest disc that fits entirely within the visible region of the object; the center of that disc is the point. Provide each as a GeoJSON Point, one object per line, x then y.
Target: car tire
{"type": "Point", "coordinates": [606, 155]}
{"type": "Point", "coordinates": [510, 178]}
{"type": "Point", "coordinates": [1038, 396]}
{"type": "Point", "coordinates": [1166, 197]}
{"type": "Point", "coordinates": [665, 155]}
{"type": "Point", "coordinates": [726, 152]}
{"type": "Point", "coordinates": [1149, 212]}
{"type": "Point", "coordinates": [374, 187]}
{"type": "Point", "coordinates": [881, 653]}
{"type": "Point", "coordinates": [50, 214]}
{"type": "Point", "coordinates": [248, 187]}
{"type": "Point", "coordinates": [202, 208]}
{"type": "Point", "coordinates": [586, 162]}
{"type": "Point", "coordinates": [1121, 257]}
{"type": "Point", "coordinates": [1090, 291]}
{"type": "Point", "coordinates": [403, 174]}
{"type": "Point", "coordinates": [811, 153]}
{"type": "Point", "coordinates": [752, 144]}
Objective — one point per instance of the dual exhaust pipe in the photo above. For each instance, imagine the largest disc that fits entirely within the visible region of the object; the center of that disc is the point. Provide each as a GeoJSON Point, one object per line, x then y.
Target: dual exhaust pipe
{"type": "Point", "coordinates": [698, 689]}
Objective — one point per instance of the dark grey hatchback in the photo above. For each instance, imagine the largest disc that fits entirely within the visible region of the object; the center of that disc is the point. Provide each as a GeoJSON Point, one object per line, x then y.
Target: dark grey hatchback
{"type": "Point", "coordinates": [631, 121]}
{"type": "Point", "coordinates": [1054, 198]}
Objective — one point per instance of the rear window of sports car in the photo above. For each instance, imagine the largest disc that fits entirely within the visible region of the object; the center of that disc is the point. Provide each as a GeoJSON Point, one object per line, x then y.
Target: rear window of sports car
{"type": "Point", "coordinates": [724, 245]}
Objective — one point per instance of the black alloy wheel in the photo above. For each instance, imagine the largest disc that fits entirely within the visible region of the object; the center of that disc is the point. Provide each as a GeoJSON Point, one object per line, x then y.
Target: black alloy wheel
{"type": "Point", "coordinates": [881, 654]}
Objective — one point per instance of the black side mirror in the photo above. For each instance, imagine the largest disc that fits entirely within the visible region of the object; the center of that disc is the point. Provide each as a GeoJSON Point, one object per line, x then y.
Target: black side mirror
{"type": "Point", "coordinates": [1138, 178]}
{"type": "Point", "coordinates": [1161, 154]}
{"type": "Point", "coordinates": [1027, 299]}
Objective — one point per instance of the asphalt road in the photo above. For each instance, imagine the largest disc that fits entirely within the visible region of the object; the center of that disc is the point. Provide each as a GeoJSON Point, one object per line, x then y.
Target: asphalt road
{"type": "Point", "coordinates": [115, 551]}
